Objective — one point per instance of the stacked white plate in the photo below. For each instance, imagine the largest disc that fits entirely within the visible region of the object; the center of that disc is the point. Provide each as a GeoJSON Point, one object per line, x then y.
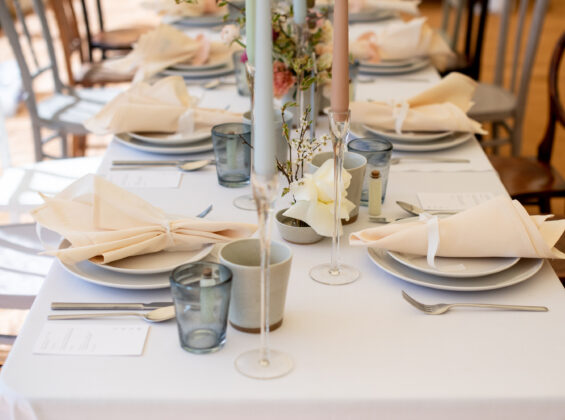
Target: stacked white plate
{"type": "Point", "coordinates": [206, 21]}
{"type": "Point", "coordinates": [394, 67]}
{"type": "Point", "coordinates": [219, 68]}
{"type": "Point", "coordinates": [460, 274]}
{"type": "Point", "coordinates": [169, 144]}
{"type": "Point", "coordinates": [420, 141]}
{"type": "Point", "coordinates": [149, 271]}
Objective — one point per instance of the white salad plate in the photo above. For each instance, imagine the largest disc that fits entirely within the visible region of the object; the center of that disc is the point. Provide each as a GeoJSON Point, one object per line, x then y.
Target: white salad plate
{"type": "Point", "coordinates": [171, 139]}
{"type": "Point", "coordinates": [180, 149]}
{"type": "Point", "coordinates": [376, 69]}
{"type": "Point", "coordinates": [519, 272]}
{"type": "Point", "coordinates": [408, 136]}
{"type": "Point", "coordinates": [455, 267]}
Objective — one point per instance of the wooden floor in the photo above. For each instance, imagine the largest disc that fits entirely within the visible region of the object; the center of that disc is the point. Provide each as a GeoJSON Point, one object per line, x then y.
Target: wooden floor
{"type": "Point", "coordinates": [19, 133]}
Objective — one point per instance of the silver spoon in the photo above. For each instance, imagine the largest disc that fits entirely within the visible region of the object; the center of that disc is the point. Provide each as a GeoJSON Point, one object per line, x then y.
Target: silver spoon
{"type": "Point", "coordinates": [156, 315]}
{"type": "Point", "coordinates": [183, 165]}
{"type": "Point", "coordinates": [416, 211]}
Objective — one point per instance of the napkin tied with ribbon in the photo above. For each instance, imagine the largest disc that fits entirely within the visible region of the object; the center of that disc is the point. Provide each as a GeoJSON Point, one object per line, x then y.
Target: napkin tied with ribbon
{"type": "Point", "coordinates": [165, 106]}
{"type": "Point", "coordinates": [443, 107]}
{"type": "Point", "coordinates": [165, 46]}
{"type": "Point", "coordinates": [105, 223]}
{"type": "Point", "coordinates": [399, 41]}
{"type": "Point", "coordinates": [500, 227]}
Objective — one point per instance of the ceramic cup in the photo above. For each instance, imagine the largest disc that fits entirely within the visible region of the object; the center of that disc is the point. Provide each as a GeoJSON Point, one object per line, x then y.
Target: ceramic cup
{"type": "Point", "coordinates": [243, 258]}
{"type": "Point", "coordinates": [353, 163]}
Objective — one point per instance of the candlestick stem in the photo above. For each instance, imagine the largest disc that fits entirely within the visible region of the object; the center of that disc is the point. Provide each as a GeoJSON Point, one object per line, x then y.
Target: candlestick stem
{"type": "Point", "coordinates": [335, 273]}
{"type": "Point", "coordinates": [264, 363]}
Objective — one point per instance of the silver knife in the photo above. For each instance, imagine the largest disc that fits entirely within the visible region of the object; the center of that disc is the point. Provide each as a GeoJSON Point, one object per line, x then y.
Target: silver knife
{"type": "Point", "coordinates": [110, 306]}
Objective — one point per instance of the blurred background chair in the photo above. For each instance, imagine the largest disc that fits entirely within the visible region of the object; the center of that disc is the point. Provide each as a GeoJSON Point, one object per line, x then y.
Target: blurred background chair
{"type": "Point", "coordinates": [468, 58]}
{"type": "Point", "coordinates": [89, 73]}
{"type": "Point", "coordinates": [534, 180]}
{"type": "Point", "coordinates": [61, 115]}
{"type": "Point", "coordinates": [504, 106]}
{"type": "Point", "coordinates": [120, 39]}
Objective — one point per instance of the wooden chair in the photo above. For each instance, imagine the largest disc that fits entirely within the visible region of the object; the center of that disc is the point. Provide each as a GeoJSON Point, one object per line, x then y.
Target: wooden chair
{"type": "Point", "coordinates": [534, 180]}
{"type": "Point", "coordinates": [467, 61]}
{"type": "Point", "coordinates": [89, 73]}
{"type": "Point", "coordinates": [104, 40]}
{"type": "Point", "coordinates": [61, 115]}
{"type": "Point", "coordinates": [504, 107]}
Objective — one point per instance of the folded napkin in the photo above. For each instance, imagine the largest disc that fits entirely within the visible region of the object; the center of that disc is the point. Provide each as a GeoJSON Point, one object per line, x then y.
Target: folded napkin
{"type": "Point", "coordinates": [404, 6]}
{"type": "Point", "coordinates": [360, 6]}
{"type": "Point", "coordinates": [440, 108]}
{"type": "Point", "coordinates": [198, 8]}
{"type": "Point", "coordinates": [500, 227]}
{"type": "Point", "coordinates": [400, 40]}
{"type": "Point", "coordinates": [105, 223]}
{"type": "Point", "coordinates": [164, 46]}
{"type": "Point", "coordinates": [164, 107]}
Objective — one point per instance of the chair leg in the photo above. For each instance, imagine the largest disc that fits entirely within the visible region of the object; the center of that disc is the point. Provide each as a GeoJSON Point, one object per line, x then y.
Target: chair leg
{"type": "Point", "coordinates": [78, 145]}
{"type": "Point", "coordinates": [545, 205]}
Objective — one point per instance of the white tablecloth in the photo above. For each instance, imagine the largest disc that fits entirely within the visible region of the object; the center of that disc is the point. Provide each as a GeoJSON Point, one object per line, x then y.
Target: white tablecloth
{"type": "Point", "coordinates": [360, 351]}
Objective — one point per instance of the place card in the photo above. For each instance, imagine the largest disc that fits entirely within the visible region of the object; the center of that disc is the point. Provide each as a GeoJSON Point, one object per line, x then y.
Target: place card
{"type": "Point", "coordinates": [145, 178]}
{"type": "Point", "coordinates": [88, 339]}
{"type": "Point", "coordinates": [452, 201]}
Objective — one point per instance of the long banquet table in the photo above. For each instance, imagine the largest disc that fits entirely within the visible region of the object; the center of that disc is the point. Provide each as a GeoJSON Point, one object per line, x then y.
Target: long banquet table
{"type": "Point", "coordinates": [360, 351]}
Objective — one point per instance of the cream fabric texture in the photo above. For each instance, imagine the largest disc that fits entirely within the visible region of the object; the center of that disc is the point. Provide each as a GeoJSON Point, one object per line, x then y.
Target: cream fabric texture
{"type": "Point", "coordinates": [500, 227]}
{"type": "Point", "coordinates": [165, 106]}
{"type": "Point", "coordinates": [443, 107]}
{"type": "Point", "coordinates": [105, 223]}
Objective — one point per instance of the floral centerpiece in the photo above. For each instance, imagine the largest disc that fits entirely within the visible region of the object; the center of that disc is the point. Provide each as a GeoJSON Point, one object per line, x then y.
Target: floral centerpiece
{"type": "Point", "coordinates": [301, 56]}
{"type": "Point", "coordinates": [312, 194]}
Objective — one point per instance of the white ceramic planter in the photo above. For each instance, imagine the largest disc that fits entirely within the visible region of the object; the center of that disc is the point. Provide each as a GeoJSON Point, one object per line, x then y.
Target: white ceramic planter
{"type": "Point", "coordinates": [295, 234]}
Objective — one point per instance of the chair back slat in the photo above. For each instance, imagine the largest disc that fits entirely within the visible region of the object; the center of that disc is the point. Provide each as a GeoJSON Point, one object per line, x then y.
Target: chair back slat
{"type": "Point", "coordinates": [22, 20]}
{"type": "Point", "coordinates": [520, 30]}
{"type": "Point", "coordinates": [556, 110]}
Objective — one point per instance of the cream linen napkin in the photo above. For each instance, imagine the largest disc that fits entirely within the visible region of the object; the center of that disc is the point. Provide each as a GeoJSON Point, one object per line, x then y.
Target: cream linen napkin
{"type": "Point", "coordinates": [164, 107]}
{"type": "Point", "coordinates": [360, 6]}
{"type": "Point", "coordinates": [105, 223]}
{"type": "Point", "coordinates": [400, 40]}
{"type": "Point", "coordinates": [199, 8]}
{"type": "Point", "coordinates": [164, 46]}
{"type": "Point", "coordinates": [404, 6]}
{"type": "Point", "coordinates": [500, 227]}
{"type": "Point", "coordinates": [440, 108]}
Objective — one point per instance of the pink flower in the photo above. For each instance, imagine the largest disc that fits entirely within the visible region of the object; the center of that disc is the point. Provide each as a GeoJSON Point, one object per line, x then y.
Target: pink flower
{"type": "Point", "coordinates": [244, 57]}
{"type": "Point", "coordinates": [283, 79]}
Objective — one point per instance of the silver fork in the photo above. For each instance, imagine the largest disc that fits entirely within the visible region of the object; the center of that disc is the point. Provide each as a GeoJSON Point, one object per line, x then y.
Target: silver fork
{"type": "Point", "coordinates": [441, 308]}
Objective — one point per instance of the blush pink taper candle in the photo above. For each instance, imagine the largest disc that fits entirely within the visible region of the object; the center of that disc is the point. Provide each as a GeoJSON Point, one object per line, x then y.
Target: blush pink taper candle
{"type": "Point", "coordinates": [340, 63]}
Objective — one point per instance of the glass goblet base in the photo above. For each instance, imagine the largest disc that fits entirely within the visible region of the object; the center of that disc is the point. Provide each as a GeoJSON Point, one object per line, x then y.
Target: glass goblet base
{"type": "Point", "coordinates": [245, 202]}
{"type": "Point", "coordinates": [324, 273]}
{"type": "Point", "coordinates": [250, 364]}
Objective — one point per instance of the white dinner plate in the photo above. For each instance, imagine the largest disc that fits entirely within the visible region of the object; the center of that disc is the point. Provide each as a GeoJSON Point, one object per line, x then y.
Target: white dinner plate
{"type": "Point", "coordinates": [200, 74]}
{"type": "Point", "coordinates": [181, 149]}
{"type": "Point", "coordinates": [408, 136]}
{"type": "Point", "coordinates": [406, 62]}
{"type": "Point", "coordinates": [446, 267]}
{"type": "Point", "coordinates": [521, 271]}
{"type": "Point", "coordinates": [171, 139]}
{"type": "Point", "coordinates": [195, 21]}
{"type": "Point", "coordinates": [375, 69]}
{"type": "Point", "coordinates": [357, 131]}
{"type": "Point", "coordinates": [150, 271]}
{"type": "Point", "coordinates": [217, 64]}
